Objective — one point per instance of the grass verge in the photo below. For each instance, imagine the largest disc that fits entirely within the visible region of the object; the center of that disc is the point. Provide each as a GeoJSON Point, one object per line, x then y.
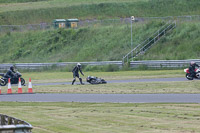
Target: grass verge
{"type": "Point", "coordinates": [107, 117]}
{"type": "Point", "coordinates": [117, 88]}
{"type": "Point", "coordinates": [51, 77]}
{"type": "Point", "coordinates": [113, 88]}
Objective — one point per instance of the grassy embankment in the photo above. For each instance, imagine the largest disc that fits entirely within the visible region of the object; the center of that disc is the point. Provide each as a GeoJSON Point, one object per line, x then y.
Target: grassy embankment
{"type": "Point", "coordinates": [100, 42]}
{"type": "Point", "coordinates": [46, 11]}
{"type": "Point", "coordinates": [107, 117]}
{"type": "Point", "coordinates": [182, 44]}
{"type": "Point", "coordinates": [85, 44]}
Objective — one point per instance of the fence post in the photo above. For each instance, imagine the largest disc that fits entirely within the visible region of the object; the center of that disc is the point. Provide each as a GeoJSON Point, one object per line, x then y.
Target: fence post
{"type": "Point", "coordinates": [122, 60]}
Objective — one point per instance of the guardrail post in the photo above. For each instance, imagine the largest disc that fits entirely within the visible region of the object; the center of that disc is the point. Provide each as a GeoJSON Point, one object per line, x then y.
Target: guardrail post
{"type": "Point", "coordinates": [11, 124]}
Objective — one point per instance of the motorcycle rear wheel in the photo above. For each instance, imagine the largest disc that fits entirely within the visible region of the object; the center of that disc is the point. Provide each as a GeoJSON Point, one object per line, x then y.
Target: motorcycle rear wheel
{"type": "Point", "coordinates": [93, 81]}
{"type": "Point", "coordinates": [3, 82]}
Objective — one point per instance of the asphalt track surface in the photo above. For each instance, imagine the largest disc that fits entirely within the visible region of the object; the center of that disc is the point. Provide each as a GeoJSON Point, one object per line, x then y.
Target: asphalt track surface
{"type": "Point", "coordinates": [121, 81]}
{"type": "Point", "coordinates": [107, 98]}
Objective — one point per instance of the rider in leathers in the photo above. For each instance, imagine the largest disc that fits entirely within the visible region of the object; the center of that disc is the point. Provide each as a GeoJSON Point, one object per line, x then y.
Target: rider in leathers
{"type": "Point", "coordinates": [192, 67]}
{"type": "Point", "coordinates": [10, 73]}
{"type": "Point", "coordinates": [75, 71]}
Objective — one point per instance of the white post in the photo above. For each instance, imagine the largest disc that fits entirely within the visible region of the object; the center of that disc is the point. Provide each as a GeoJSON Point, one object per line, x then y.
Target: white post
{"type": "Point", "coordinates": [132, 19]}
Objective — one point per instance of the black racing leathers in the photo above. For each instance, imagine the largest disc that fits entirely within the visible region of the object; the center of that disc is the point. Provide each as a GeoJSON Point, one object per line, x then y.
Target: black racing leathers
{"type": "Point", "coordinates": [192, 69]}
{"type": "Point", "coordinates": [10, 74]}
{"type": "Point", "coordinates": [76, 71]}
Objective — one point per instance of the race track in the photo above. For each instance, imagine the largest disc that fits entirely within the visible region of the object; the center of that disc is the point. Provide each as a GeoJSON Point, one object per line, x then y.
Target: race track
{"type": "Point", "coordinates": [104, 98]}
{"type": "Point", "coordinates": [121, 81]}
{"type": "Point", "coordinates": [107, 98]}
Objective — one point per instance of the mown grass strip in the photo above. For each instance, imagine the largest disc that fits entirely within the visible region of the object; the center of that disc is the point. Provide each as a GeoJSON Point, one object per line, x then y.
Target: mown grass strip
{"type": "Point", "coordinates": [117, 88]}
{"type": "Point", "coordinates": [113, 88]}
{"type": "Point", "coordinates": [107, 117]}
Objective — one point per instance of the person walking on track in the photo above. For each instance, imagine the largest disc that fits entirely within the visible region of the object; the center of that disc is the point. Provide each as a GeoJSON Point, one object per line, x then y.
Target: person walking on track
{"type": "Point", "coordinates": [75, 72]}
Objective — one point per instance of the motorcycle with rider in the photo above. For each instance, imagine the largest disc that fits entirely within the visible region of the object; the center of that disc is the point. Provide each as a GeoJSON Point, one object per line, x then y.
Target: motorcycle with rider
{"type": "Point", "coordinates": [14, 77]}
{"type": "Point", "coordinates": [193, 72]}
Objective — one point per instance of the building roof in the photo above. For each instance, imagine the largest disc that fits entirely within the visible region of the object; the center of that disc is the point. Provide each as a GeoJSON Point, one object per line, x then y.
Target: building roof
{"type": "Point", "coordinates": [59, 20]}
{"type": "Point", "coordinates": [72, 20]}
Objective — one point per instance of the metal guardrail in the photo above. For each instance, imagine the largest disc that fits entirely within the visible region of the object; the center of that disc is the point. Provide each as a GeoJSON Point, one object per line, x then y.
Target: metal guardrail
{"type": "Point", "coordinates": [133, 64]}
{"type": "Point", "coordinates": [163, 63]}
{"type": "Point", "coordinates": [37, 66]}
{"type": "Point", "coordinates": [145, 45]}
{"type": "Point", "coordinates": [13, 125]}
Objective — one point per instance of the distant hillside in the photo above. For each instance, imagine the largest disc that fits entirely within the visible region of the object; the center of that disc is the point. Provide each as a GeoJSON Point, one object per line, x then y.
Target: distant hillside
{"type": "Point", "coordinates": [46, 11]}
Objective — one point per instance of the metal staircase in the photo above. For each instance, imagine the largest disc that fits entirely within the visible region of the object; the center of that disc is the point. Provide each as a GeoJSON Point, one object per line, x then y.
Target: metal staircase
{"type": "Point", "coordinates": [145, 45]}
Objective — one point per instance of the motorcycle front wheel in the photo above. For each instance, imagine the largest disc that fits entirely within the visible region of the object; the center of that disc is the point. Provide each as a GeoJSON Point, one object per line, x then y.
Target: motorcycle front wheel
{"type": "Point", "coordinates": [188, 76]}
{"type": "Point", "coordinates": [3, 82]}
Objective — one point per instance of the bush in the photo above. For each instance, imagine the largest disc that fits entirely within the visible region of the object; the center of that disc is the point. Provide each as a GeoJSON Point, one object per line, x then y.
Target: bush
{"type": "Point", "coordinates": [105, 68]}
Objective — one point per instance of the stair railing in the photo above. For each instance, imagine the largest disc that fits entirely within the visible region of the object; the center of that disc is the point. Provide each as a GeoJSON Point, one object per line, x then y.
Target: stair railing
{"type": "Point", "coordinates": [145, 45]}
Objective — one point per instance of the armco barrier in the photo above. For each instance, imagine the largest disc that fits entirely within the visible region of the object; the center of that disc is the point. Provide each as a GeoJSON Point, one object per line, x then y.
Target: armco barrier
{"type": "Point", "coordinates": [133, 64]}
{"type": "Point", "coordinates": [60, 64]}
{"type": "Point", "coordinates": [12, 125]}
{"type": "Point", "coordinates": [163, 63]}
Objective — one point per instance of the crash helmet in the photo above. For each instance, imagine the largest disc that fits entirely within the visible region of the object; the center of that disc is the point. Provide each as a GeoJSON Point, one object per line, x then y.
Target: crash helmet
{"type": "Point", "coordinates": [12, 68]}
{"type": "Point", "coordinates": [79, 64]}
{"type": "Point", "coordinates": [192, 63]}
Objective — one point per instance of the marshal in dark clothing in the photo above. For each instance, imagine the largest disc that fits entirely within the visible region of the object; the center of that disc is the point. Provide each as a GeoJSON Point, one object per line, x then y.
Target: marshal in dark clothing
{"type": "Point", "coordinates": [76, 71]}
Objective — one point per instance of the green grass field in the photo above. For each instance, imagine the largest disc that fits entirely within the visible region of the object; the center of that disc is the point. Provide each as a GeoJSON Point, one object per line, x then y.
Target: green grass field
{"type": "Point", "coordinates": [106, 117]}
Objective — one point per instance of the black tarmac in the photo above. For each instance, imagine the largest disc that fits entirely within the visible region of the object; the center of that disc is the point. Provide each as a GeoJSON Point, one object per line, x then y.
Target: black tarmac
{"type": "Point", "coordinates": [106, 98]}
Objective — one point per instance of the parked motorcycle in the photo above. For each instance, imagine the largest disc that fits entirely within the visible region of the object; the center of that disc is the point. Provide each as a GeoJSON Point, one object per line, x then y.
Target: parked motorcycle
{"type": "Point", "coordinates": [189, 75]}
{"type": "Point", "coordinates": [95, 80]}
{"type": "Point", "coordinates": [14, 80]}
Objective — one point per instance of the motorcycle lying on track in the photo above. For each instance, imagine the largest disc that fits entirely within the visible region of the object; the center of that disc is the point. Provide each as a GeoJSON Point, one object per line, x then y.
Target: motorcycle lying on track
{"type": "Point", "coordinates": [14, 80]}
{"type": "Point", "coordinates": [95, 80]}
{"type": "Point", "coordinates": [189, 75]}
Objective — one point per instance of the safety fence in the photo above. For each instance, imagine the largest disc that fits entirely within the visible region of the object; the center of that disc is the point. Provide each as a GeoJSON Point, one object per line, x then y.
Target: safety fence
{"type": "Point", "coordinates": [156, 64]}
{"type": "Point", "coordinates": [38, 66]}
{"type": "Point", "coordinates": [162, 63]}
{"type": "Point", "coordinates": [10, 124]}
{"type": "Point", "coordinates": [94, 23]}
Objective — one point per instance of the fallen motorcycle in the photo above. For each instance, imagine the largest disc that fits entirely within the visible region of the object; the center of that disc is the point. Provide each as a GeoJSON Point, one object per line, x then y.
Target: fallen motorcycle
{"type": "Point", "coordinates": [95, 80]}
{"type": "Point", "coordinates": [189, 75]}
{"type": "Point", "coordinates": [14, 80]}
